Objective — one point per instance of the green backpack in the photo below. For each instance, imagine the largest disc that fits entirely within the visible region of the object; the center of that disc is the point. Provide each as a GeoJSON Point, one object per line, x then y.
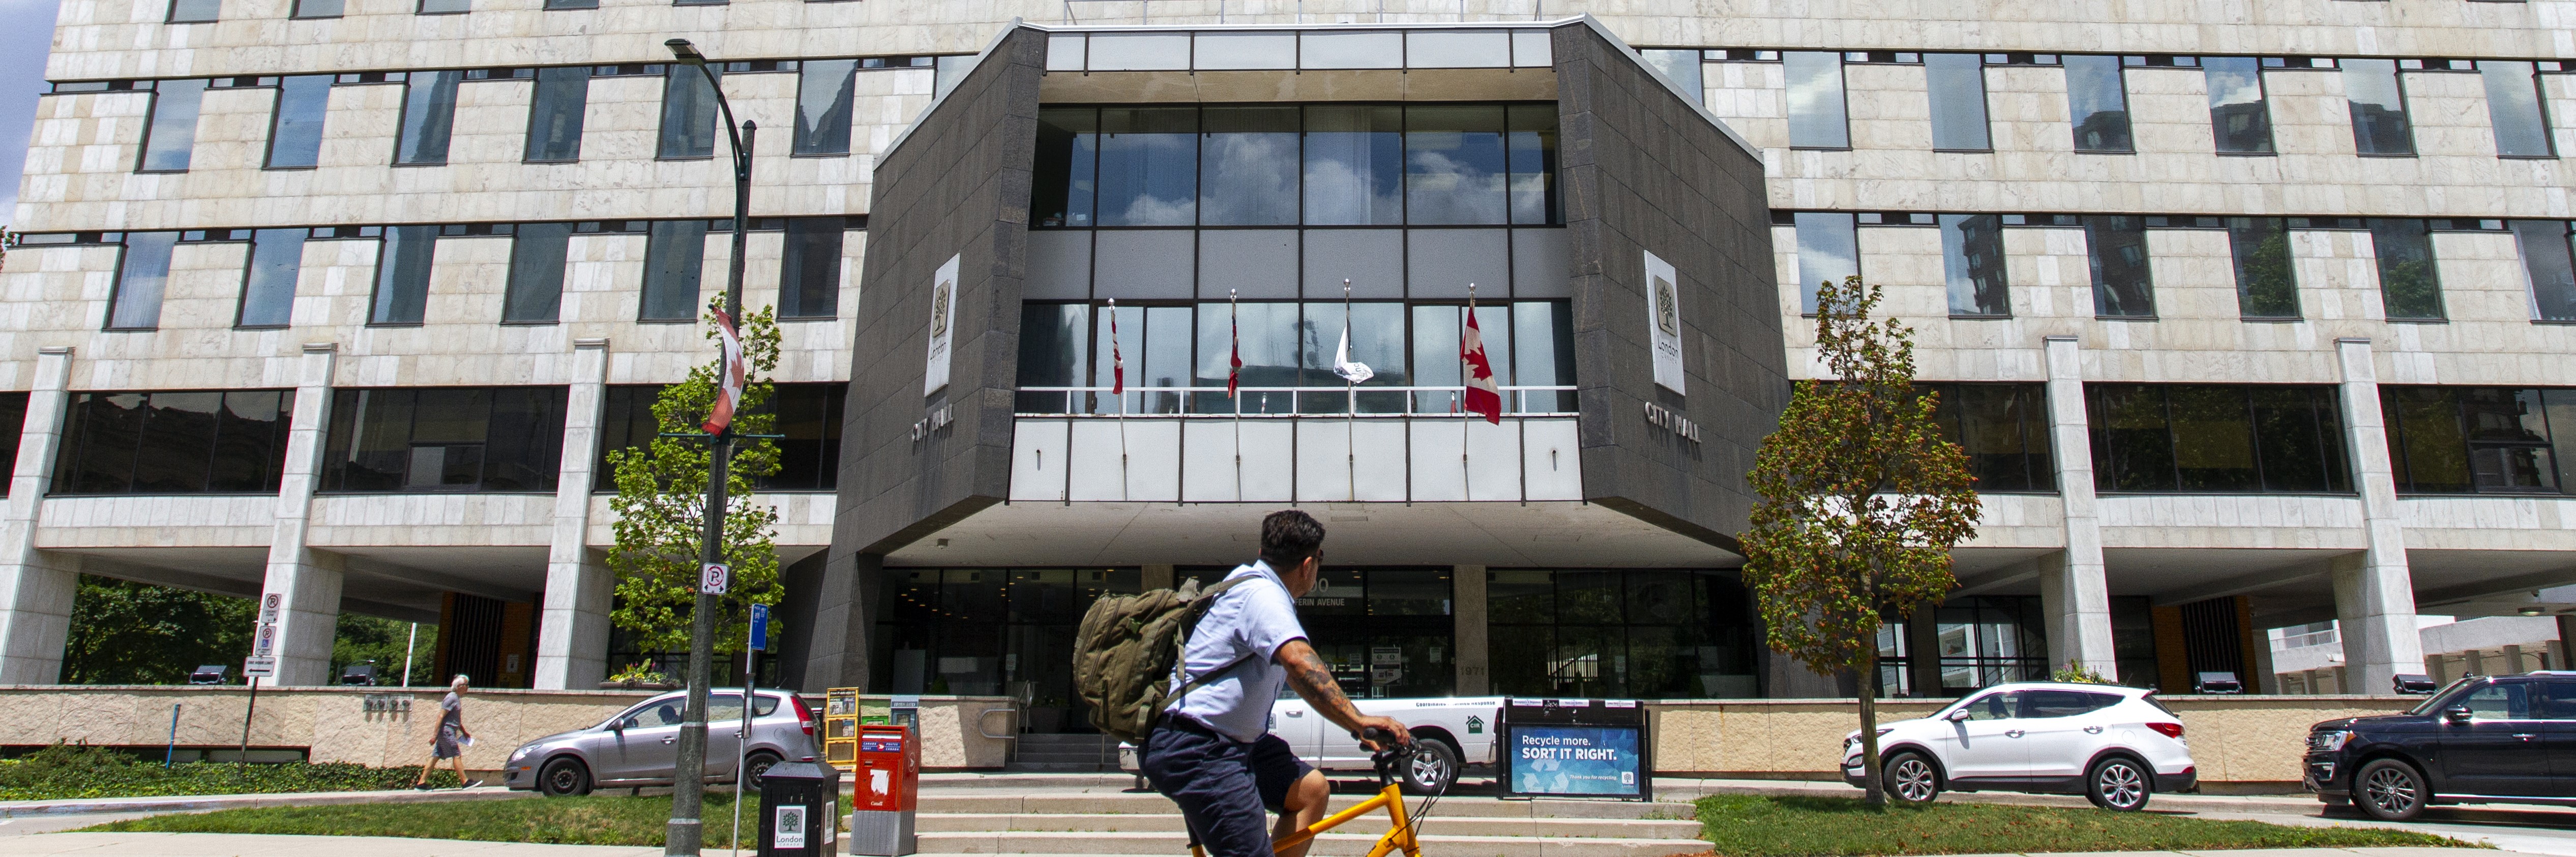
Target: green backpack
{"type": "Point", "coordinates": [1129, 649]}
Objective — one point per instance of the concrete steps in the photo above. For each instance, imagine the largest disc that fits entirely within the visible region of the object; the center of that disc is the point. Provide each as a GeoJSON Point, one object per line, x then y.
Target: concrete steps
{"type": "Point", "coordinates": [1064, 753]}
{"type": "Point", "coordinates": [1059, 814]}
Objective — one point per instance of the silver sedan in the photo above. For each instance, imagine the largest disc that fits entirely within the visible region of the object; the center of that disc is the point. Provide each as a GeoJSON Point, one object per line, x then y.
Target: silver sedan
{"type": "Point", "coordinates": [638, 746]}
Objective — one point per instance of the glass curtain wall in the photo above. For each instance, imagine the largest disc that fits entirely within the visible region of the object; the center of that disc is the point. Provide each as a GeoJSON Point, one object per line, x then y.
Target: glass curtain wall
{"type": "Point", "coordinates": [991, 631]}
{"type": "Point", "coordinates": [1647, 634]}
{"type": "Point", "coordinates": [1178, 356]}
{"type": "Point", "coordinates": [444, 439]}
{"type": "Point", "coordinates": [809, 456]}
{"type": "Point", "coordinates": [2481, 440]}
{"type": "Point", "coordinates": [1384, 632]}
{"type": "Point", "coordinates": [1282, 165]}
{"type": "Point", "coordinates": [173, 442]}
{"type": "Point", "coordinates": [2217, 439]}
{"type": "Point", "coordinates": [2004, 430]}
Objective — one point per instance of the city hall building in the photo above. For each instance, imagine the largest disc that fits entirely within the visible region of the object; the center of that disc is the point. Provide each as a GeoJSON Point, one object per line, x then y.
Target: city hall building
{"type": "Point", "coordinates": [2248, 316]}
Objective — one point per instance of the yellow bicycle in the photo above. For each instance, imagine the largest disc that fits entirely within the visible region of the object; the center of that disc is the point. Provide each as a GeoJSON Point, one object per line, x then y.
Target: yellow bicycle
{"type": "Point", "coordinates": [1401, 830]}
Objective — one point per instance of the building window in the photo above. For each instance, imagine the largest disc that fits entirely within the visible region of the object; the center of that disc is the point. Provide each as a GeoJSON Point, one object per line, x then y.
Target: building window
{"type": "Point", "coordinates": [402, 275]}
{"type": "Point", "coordinates": [174, 442]}
{"type": "Point", "coordinates": [445, 7]}
{"type": "Point", "coordinates": [1620, 633]}
{"type": "Point", "coordinates": [1988, 640]}
{"type": "Point", "coordinates": [2097, 99]}
{"type": "Point", "coordinates": [2122, 284]}
{"type": "Point", "coordinates": [2004, 430]}
{"type": "Point", "coordinates": [824, 97]}
{"type": "Point", "coordinates": [2481, 440]}
{"type": "Point", "coordinates": [13, 412]}
{"type": "Point", "coordinates": [1454, 166]}
{"type": "Point", "coordinates": [1958, 88]}
{"type": "Point", "coordinates": [1972, 257]}
{"type": "Point", "coordinates": [554, 120]}
{"type": "Point", "coordinates": [319, 8]}
{"type": "Point", "coordinates": [2410, 285]}
{"type": "Point", "coordinates": [675, 254]}
{"type": "Point", "coordinates": [2266, 286]}
{"type": "Point", "coordinates": [428, 116]}
{"type": "Point", "coordinates": [809, 457]}
{"type": "Point", "coordinates": [2378, 101]}
{"type": "Point", "coordinates": [688, 113]}
{"type": "Point", "coordinates": [535, 291]}
{"type": "Point", "coordinates": [2237, 115]}
{"type": "Point", "coordinates": [1354, 165]}
{"type": "Point", "coordinates": [194, 11]}
{"type": "Point", "coordinates": [2216, 439]}
{"type": "Point", "coordinates": [427, 439]}
{"type": "Point", "coordinates": [946, 72]}
{"type": "Point", "coordinates": [142, 273]}
{"type": "Point", "coordinates": [1287, 349]}
{"type": "Point", "coordinates": [2545, 260]}
{"type": "Point", "coordinates": [268, 288]}
{"type": "Point", "coordinates": [1249, 166]}
{"type": "Point", "coordinates": [2513, 102]}
{"type": "Point", "coordinates": [1828, 252]}
{"type": "Point", "coordinates": [1682, 67]}
{"type": "Point", "coordinates": [572, 4]}
{"type": "Point", "coordinates": [1148, 166]}
{"type": "Point", "coordinates": [1816, 117]}
{"type": "Point", "coordinates": [988, 630]}
{"type": "Point", "coordinates": [1530, 132]}
{"type": "Point", "coordinates": [170, 135]}
{"type": "Point", "coordinates": [809, 272]}
{"type": "Point", "coordinates": [295, 134]}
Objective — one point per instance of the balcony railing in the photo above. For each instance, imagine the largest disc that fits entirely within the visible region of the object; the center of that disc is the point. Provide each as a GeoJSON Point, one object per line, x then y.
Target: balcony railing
{"type": "Point", "coordinates": [1276, 402]}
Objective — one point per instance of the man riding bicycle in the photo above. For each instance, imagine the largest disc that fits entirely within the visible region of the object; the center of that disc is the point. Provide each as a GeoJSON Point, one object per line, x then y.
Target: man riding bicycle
{"type": "Point", "coordinates": [1211, 752]}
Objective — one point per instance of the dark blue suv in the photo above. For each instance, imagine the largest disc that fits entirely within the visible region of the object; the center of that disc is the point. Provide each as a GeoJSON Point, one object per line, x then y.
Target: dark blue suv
{"type": "Point", "coordinates": [2484, 739]}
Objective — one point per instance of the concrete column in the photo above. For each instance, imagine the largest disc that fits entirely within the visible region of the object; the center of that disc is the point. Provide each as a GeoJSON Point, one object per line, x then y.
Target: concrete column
{"type": "Point", "coordinates": [2342, 680]}
{"type": "Point", "coordinates": [2475, 663]}
{"type": "Point", "coordinates": [36, 587]}
{"type": "Point", "coordinates": [2264, 680]}
{"type": "Point", "coordinates": [844, 622]}
{"type": "Point", "coordinates": [307, 580]}
{"type": "Point", "coordinates": [2566, 645]}
{"type": "Point", "coordinates": [1467, 611]}
{"type": "Point", "coordinates": [2374, 597]}
{"type": "Point", "coordinates": [2513, 661]}
{"type": "Point", "coordinates": [2073, 590]}
{"type": "Point", "coordinates": [572, 633]}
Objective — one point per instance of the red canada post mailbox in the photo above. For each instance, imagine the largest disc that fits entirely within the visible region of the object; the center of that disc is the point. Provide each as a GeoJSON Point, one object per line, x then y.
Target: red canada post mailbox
{"type": "Point", "coordinates": [887, 788]}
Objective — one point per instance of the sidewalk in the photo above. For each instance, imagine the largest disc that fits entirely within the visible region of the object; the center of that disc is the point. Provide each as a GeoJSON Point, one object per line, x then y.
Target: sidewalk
{"type": "Point", "coordinates": [192, 803]}
{"type": "Point", "coordinates": [245, 845]}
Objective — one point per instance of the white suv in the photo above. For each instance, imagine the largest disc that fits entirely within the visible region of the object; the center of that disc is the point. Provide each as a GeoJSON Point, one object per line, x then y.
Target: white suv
{"type": "Point", "coordinates": [2115, 745]}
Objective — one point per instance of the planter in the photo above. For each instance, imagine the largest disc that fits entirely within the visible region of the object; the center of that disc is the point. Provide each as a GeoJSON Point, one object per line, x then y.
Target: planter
{"type": "Point", "coordinates": [631, 684]}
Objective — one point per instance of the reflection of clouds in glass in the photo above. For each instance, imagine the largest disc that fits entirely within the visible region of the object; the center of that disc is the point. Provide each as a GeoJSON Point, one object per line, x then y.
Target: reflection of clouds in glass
{"type": "Point", "coordinates": [1251, 179]}
{"type": "Point", "coordinates": [1152, 211]}
{"type": "Point", "coordinates": [1446, 189]}
{"type": "Point", "coordinates": [1338, 193]}
{"type": "Point", "coordinates": [1815, 83]}
{"type": "Point", "coordinates": [1148, 179]}
{"type": "Point", "coordinates": [2233, 80]}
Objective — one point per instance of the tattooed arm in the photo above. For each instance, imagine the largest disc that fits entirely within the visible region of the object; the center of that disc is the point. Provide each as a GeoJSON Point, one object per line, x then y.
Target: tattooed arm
{"type": "Point", "coordinates": [1314, 681]}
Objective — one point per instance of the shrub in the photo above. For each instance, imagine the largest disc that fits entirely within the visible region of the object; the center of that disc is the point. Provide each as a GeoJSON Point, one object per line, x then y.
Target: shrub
{"type": "Point", "coordinates": [65, 771]}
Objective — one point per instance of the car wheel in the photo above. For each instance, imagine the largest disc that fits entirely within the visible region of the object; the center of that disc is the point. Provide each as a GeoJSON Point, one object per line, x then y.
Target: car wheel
{"type": "Point", "coordinates": [1433, 768]}
{"type": "Point", "coordinates": [2390, 790]}
{"type": "Point", "coordinates": [755, 766]}
{"type": "Point", "coordinates": [1909, 778]}
{"type": "Point", "coordinates": [2118, 784]}
{"type": "Point", "coordinates": [564, 777]}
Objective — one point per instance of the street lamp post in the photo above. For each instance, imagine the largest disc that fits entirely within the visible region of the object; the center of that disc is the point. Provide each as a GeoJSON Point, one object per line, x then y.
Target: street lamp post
{"type": "Point", "coordinates": [686, 832]}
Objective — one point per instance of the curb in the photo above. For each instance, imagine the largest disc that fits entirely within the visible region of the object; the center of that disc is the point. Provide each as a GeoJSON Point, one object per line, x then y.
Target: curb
{"type": "Point", "coordinates": [187, 803]}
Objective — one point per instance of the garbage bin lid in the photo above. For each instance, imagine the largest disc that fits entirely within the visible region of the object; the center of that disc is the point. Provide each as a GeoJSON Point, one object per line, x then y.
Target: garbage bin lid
{"type": "Point", "coordinates": [800, 771]}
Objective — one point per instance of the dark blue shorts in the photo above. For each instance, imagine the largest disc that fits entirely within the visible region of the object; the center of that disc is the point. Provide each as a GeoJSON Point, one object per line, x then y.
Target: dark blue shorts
{"type": "Point", "coordinates": [1221, 784]}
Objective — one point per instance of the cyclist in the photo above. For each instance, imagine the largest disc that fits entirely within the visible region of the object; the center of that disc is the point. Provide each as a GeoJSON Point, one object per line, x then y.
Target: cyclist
{"type": "Point", "coordinates": [1212, 753]}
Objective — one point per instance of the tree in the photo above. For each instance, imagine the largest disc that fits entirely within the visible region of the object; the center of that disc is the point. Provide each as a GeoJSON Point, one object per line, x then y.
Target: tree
{"type": "Point", "coordinates": [1862, 499]}
{"type": "Point", "coordinates": [361, 639]}
{"type": "Point", "coordinates": [123, 632]}
{"type": "Point", "coordinates": [661, 506]}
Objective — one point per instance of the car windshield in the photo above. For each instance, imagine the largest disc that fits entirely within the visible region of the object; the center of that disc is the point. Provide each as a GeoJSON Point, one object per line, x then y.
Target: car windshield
{"type": "Point", "coordinates": [2440, 697]}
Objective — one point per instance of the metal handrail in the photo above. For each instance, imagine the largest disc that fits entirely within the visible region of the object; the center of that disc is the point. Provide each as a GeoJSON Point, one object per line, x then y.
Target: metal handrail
{"type": "Point", "coordinates": [979, 724]}
{"type": "Point", "coordinates": [1516, 401]}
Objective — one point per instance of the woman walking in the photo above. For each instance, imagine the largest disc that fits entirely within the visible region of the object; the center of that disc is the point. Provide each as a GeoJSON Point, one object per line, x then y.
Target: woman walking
{"type": "Point", "coordinates": [449, 743]}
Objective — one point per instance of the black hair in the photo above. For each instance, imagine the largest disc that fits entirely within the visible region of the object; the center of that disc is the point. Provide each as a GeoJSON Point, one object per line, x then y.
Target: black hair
{"type": "Point", "coordinates": [1288, 538]}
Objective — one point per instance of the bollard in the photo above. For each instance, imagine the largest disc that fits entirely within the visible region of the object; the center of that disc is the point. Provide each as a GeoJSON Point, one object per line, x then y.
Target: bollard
{"type": "Point", "coordinates": [888, 788]}
{"type": "Point", "coordinates": [800, 809]}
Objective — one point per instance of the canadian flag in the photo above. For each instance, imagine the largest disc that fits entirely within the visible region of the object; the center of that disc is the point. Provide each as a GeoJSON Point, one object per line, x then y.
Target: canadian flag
{"type": "Point", "coordinates": [1117, 358]}
{"type": "Point", "coordinates": [1483, 395]}
{"type": "Point", "coordinates": [729, 375]}
{"type": "Point", "coordinates": [1234, 357]}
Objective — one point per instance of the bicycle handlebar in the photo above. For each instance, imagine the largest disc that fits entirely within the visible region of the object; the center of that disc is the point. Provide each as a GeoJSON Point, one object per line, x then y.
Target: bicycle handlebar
{"type": "Point", "coordinates": [1391, 757]}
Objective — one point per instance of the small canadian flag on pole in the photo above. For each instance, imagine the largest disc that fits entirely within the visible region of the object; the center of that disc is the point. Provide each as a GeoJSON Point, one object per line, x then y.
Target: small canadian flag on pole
{"type": "Point", "coordinates": [1117, 357]}
{"type": "Point", "coordinates": [729, 375]}
{"type": "Point", "coordinates": [1483, 395]}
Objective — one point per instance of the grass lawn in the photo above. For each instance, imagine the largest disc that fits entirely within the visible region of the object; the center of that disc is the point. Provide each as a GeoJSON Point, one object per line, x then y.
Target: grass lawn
{"type": "Point", "coordinates": [592, 820]}
{"type": "Point", "coordinates": [1760, 826]}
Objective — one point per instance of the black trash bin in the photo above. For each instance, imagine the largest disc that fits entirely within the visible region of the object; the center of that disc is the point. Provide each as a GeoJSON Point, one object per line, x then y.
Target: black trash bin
{"type": "Point", "coordinates": [800, 809]}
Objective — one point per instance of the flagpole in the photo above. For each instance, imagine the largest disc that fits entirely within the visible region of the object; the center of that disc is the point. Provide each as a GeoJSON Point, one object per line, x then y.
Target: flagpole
{"type": "Point", "coordinates": [1234, 356]}
{"type": "Point", "coordinates": [1466, 471]}
{"type": "Point", "coordinates": [1350, 403]}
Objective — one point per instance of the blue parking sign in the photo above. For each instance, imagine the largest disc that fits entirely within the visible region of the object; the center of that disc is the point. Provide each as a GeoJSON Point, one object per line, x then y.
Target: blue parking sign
{"type": "Point", "coordinates": [760, 627]}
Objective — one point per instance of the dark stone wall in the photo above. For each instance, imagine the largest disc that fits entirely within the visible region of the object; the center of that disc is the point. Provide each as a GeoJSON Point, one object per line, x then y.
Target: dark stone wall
{"type": "Point", "coordinates": [958, 185]}
{"type": "Point", "coordinates": [1643, 171]}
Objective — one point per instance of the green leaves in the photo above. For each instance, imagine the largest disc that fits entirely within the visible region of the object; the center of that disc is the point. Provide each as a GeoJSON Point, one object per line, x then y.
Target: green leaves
{"type": "Point", "coordinates": [661, 507]}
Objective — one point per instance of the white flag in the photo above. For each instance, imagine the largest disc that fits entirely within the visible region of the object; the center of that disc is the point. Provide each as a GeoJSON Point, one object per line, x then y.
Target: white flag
{"type": "Point", "coordinates": [1342, 364]}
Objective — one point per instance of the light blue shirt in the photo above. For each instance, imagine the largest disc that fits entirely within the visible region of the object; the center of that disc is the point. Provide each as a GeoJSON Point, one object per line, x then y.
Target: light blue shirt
{"type": "Point", "coordinates": [1255, 617]}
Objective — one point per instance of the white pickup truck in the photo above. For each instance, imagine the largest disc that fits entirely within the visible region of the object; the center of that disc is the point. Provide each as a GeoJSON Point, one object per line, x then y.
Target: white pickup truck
{"type": "Point", "coordinates": [1449, 733]}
